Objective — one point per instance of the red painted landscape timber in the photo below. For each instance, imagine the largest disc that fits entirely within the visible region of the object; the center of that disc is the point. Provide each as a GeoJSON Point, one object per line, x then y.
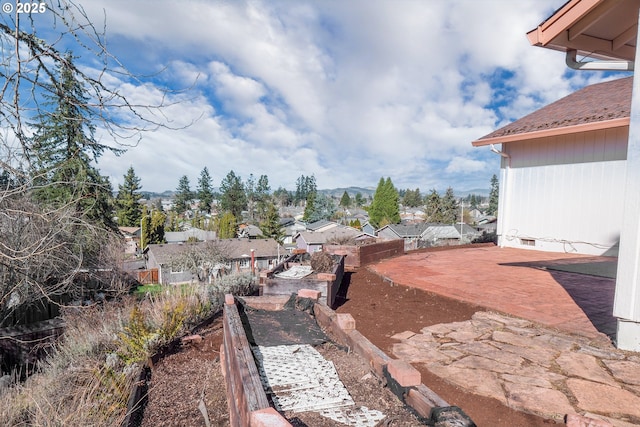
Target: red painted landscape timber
{"type": "Point", "coordinates": [421, 398]}
{"type": "Point", "coordinates": [327, 284]}
{"type": "Point", "coordinates": [361, 255]}
{"type": "Point", "coordinates": [245, 394]}
{"type": "Point", "coordinates": [244, 390]}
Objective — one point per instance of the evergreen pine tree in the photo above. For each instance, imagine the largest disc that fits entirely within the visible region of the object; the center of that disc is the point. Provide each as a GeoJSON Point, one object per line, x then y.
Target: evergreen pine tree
{"type": "Point", "coordinates": [309, 208]}
{"type": "Point", "coordinates": [433, 209]}
{"type": "Point", "coordinates": [412, 198]}
{"type": "Point", "coordinates": [493, 196]}
{"type": "Point", "coordinates": [305, 185]}
{"type": "Point", "coordinates": [392, 200]}
{"type": "Point", "coordinates": [345, 201]}
{"type": "Point", "coordinates": [376, 213]}
{"type": "Point", "coordinates": [184, 196]}
{"type": "Point", "coordinates": [449, 207]}
{"type": "Point", "coordinates": [271, 225]}
{"type": "Point", "coordinates": [204, 192]}
{"type": "Point", "coordinates": [322, 207]}
{"type": "Point", "coordinates": [299, 195]}
{"type": "Point", "coordinates": [64, 146]}
{"type": "Point", "coordinates": [251, 196]}
{"type": "Point", "coordinates": [128, 200]}
{"type": "Point", "coordinates": [384, 208]}
{"type": "Point", "coordinates": [233, 198]}
{"type": "Point", "coordinates": [263, 199]}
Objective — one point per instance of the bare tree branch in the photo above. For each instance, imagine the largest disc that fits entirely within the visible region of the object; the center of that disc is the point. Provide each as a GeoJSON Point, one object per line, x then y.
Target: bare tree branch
{"type": "Point", "coordinates": [44, 246]}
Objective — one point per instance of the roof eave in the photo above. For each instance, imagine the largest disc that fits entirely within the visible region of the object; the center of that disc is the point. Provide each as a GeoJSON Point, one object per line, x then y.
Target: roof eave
{"type": "Point", "coordinates": [567, 130]}
{"type": "Point", "coordinates": [560, 21]}
{"type": "Point", "coordinates": [566, 30]}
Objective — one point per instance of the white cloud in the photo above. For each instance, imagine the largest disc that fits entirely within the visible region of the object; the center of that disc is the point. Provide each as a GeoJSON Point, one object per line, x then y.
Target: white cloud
{"type": "Point", "coordinates": [348, 91]}
{"type": "Point", "coordinates": [238, 93]}
{"type": "Point", "coordinates": [461, 165]}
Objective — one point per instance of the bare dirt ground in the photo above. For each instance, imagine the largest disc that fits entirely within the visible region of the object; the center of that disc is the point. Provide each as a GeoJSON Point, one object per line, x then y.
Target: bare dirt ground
{"type": "Point", "coordinates": [382, 310]}
{"type": "Point", "coordinates": [191, 373]}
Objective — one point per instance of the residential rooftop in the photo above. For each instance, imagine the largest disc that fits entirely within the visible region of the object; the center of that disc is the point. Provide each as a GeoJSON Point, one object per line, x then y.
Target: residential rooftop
{"type": "Point", "coordinates": [607, 104]}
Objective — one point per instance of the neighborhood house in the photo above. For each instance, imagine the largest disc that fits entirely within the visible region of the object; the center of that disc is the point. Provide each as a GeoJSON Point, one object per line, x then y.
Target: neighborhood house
{"type": "Point", "coordinates": [204, 261]}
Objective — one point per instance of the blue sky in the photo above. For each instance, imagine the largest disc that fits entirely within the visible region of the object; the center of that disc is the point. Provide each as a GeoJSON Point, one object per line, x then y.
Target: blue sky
{"type": "Point", "coordinates": [347, 90]}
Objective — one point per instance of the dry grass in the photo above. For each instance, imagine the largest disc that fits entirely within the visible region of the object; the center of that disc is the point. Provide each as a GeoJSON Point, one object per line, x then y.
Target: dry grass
{"type": "Point", "coordinates": [87, 379]}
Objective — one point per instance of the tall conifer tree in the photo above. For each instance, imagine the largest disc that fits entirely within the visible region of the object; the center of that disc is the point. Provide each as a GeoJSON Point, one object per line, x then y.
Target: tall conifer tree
{"type": "Point", "coordinates": [204, 192]}
{"type": "Point", "coordinates": [263, 197]}
{"type": "Point", "coordinates": [270, 226]}
{"type": "Point", "coordinates": [64, 147]}
{"type": "Point", "coordinates": [449, 207]}
{"type": "Point", "coordinates": [184, 195]}
{"type": "Point", "coordinates": [384, 208]}
{"type": "Point", "coordinates": [128, 200]}
{"type": "Point", "coordinates": [493, 196]}
{"type": "Point", "coordinates": [433, 210]}
{"type": "Point", "coordinates": [233, 198]}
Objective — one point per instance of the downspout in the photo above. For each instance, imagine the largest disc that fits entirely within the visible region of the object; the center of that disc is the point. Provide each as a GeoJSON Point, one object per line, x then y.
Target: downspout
{"type": "Point", "coordinates": [501, 200]}
{"type": "Point", "coordinates": [501, 153]}
{"type": "Point", "coordinates": [573, 63]}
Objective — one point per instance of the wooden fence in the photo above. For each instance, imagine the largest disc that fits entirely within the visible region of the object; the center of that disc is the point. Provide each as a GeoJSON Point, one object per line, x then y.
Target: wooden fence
{"type": "Point", "coordinates": [147, 277]}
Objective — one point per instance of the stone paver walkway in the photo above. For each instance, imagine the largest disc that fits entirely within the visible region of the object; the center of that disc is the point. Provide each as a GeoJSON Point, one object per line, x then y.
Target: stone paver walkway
{"type": "Point", "coordinates": [530, 367]}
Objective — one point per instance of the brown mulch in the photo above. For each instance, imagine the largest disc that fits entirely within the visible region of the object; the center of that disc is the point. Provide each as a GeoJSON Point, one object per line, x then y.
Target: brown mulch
{"type": "Point", "coordinates": [179, 380]}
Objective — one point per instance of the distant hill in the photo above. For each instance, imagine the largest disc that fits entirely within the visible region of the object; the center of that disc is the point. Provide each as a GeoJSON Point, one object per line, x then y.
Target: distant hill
{"type": "Point", "coordinates": [484, 192]}
{"type": "Point", "coordinates": [351, 191]}
{"type": "Point", "coordinates": [370, 191]}
{"type": "Point", "coordinates": [334, 192]}
{"type": "Point", "coordinates": [167, 194]}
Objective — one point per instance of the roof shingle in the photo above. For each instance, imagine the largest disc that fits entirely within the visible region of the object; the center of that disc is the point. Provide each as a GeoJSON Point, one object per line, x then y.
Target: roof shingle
{"type": "Point", "coordinates": [596, 103]}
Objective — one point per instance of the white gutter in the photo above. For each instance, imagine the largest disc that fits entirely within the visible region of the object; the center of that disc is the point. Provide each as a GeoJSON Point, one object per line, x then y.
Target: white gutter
{"type": "Point", "coordinates": [573, 63]}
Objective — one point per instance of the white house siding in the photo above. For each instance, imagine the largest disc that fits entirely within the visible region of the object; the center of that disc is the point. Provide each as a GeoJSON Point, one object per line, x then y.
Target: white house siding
{"type": "Point", "coordinates": [565, 193]}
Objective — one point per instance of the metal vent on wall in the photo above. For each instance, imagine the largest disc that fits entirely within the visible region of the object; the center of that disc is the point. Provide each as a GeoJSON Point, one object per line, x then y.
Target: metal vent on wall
{"type": "Point", "coordinates": [527, 242]}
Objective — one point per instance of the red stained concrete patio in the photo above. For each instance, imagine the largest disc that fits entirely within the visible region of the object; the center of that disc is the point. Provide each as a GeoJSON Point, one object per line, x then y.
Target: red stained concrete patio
{"type": "Point", "coordinates": [522, 283]}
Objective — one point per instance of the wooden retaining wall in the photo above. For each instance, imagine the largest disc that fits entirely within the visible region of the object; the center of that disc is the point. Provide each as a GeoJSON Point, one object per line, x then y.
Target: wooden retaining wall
{"type": "Point", "coordinates": [327, 284]}
{"type": "Point", "coordinates": [248, 404]}
{"type": "Point", "coordinates": [245, 395]}
{"type": "Point", "coordinates": [358, 256]}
